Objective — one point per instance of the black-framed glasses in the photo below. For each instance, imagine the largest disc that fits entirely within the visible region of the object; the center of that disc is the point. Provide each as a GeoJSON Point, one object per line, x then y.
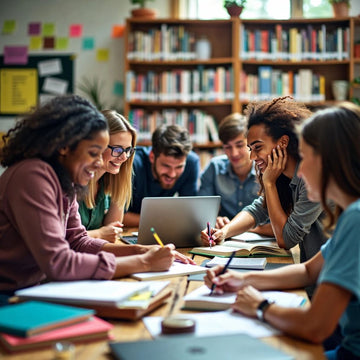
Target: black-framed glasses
{"type": "Point", "coordinates": [117, 151]}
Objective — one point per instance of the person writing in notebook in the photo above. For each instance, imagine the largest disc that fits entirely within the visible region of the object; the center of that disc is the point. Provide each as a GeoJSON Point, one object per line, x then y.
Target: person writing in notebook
{"type": "Point", "coordinates": [232, 175]}
{"type": "Point", "coordinates": [330, 168]}
{"type": "Point", "coordinates": [50, 156]}
{"type": "Point", "coordinates": [273, 144]}
{"type": "Point", "coordinates": [110, 190]}
{"type": "Point", "coordinates": [167, 168]}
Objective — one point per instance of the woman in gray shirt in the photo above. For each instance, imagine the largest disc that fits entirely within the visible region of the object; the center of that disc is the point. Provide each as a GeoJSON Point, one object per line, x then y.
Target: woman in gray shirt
{"type": "Point", "coordinates": [273, 142]}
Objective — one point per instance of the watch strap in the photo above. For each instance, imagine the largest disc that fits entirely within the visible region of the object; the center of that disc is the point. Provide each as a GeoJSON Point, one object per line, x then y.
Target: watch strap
{"type": "Point", "coordinates": [262, 308]}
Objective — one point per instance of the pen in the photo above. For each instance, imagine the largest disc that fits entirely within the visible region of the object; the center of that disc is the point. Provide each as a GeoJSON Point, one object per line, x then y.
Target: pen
{"type": "Point", "coordinates": [156, 236]}
{"type": "Point", "coordinates": [209, 233]}
{"type": "Point", "coordinates": [223, 270]}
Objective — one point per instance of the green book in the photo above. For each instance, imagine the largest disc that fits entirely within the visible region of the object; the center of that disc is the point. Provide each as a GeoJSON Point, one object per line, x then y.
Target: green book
{"type": "Point", "coordinates": [34, 317]}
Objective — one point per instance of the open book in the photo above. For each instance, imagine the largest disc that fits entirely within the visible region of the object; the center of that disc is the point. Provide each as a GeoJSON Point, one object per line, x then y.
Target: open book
{"type": "Point", "coordinates": [239, 263]}
{"type": "Point", "coordinates": [202, 300]}
{"type": "Point", "coordinates": [250, 236]}
{"type": "Point", "coordinates": [243, 249]}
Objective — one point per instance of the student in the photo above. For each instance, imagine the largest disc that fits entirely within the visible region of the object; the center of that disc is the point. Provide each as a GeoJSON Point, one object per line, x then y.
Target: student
{"type": "Point", "coordinates": [331, 170]}
{"type": "Point", "coordinates": [232, 176]}
{"type": "Point", "coordinates": [110, 190]}
{"type": "Point", "coordinates": [273, 145]}
{"type": "Point", "coordinates": [167, 168]}
{"type": "Point", "coordinates": [49, 155]}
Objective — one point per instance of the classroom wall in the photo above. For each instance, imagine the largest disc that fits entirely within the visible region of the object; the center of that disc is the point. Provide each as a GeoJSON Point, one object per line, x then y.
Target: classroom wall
{"type": "Point", "coordinates": [97, 18]}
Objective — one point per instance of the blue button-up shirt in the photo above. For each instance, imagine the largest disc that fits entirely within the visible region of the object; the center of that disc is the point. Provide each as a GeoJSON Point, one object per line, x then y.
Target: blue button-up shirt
{"type": "Point", "coordinates": [218, 178]}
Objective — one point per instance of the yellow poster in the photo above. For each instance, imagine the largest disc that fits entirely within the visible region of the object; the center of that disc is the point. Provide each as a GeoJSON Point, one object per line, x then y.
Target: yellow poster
{"type": "Point", "coordinates": [19, 90]}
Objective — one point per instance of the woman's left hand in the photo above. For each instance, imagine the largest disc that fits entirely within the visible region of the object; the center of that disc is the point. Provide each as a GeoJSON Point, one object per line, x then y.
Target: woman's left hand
{"type": "Point", "coordinates": [275, 166]}
{"type": "Point", "coordinates": [247, 301]}
{"type": "Point", "coordinates": [183, 258]}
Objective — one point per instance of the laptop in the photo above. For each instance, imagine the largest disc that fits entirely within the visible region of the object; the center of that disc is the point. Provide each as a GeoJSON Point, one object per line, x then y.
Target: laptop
{"type": "Point", "coordinates": [186, 347]}
{"type": "Point", "coordinates": [177, 220]}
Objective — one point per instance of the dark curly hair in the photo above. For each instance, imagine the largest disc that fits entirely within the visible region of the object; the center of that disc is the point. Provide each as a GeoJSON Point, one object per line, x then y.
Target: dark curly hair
{"type": "Point", "coordinates": [62, 122]}
{"type": "Point", "coordinates": [280, 116]}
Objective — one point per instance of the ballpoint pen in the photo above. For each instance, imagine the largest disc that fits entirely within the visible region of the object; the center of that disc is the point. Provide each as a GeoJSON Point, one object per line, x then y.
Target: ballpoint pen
{"type": "Point", "coordinates": [223, 270]}
{"type": "Point", "coordinates": [209, 233]}
{"type": "Point", "coordinates": [156, 236]}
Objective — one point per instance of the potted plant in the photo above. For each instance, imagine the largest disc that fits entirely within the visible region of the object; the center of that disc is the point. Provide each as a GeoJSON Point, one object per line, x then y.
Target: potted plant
{"type": "Point", "coordinates": [340, 7]}
{"type": "Point", "coordinates": [234, 7]}
{"type": "Point", "coordinates": [142, 11]}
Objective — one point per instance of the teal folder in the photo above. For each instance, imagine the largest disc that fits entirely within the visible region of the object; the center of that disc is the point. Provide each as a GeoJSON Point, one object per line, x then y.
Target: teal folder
{"type": "Point", "coordinates": [34, 317]}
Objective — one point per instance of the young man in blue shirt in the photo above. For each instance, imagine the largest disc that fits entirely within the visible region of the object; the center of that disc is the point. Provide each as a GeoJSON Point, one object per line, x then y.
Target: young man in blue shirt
{"type": "Point", "coordinates": [167, 168]}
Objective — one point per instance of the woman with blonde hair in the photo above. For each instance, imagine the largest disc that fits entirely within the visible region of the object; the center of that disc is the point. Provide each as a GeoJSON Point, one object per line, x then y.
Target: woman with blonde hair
{"type": "Point", "coordinates": [110, 191]}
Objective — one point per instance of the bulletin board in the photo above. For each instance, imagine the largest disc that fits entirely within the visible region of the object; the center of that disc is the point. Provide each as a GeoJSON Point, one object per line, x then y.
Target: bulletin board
{"type": "Point", "coordinates": [23, 87]}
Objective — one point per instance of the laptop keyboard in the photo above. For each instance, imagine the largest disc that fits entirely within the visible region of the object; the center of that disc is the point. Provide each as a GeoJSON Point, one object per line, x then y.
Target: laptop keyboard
{"type": "Point", "coordinates": [129, 239]}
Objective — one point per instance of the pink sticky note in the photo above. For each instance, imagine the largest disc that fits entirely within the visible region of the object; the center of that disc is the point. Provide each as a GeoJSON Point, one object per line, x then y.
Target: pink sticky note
{"type": "Point", "coordinates": [76, 30]}
{"type": "Point", "coordinates": [34, 28]}
{"type": "Point", "coordinates": [17, 55]}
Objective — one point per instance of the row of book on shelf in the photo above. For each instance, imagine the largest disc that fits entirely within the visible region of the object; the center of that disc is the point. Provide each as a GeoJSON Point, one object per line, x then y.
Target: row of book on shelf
{"type": "Point", "coordinates": [162, 43]}
{"type": "Point", "coordinates": [295, 44]}
{"type": "Point", "coordinates": [201, 125]}
{"type": "Point", "coordinates": [304, 85]}
{"type": "Point", "coordinates": [200, 84]}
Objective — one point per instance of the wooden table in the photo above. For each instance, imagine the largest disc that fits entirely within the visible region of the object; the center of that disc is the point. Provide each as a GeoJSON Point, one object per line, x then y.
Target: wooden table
{"type": "Point", "coordinates": [132, 331]}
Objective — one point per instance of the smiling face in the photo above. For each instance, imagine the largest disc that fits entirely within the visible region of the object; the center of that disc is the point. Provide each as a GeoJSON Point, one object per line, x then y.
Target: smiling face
{"type": "Point", "coordinates": [112, 164]}
{"type": "Point", "coordinates": [310, 170]}
{"type": "Point", "coordinates": [238, 153]}
{"type": "Point", "coordinates": [85, 159]}
{"type": "Point", "coordinates": [167, 169]}
{"type": "Point", "coordinates": [260, 145]}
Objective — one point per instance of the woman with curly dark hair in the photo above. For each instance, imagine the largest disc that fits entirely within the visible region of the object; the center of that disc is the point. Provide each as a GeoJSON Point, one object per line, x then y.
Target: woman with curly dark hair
{"type": "Point", "coordinates": [50, 155]}
{"type": "Point", "coordinates": [272, 139]}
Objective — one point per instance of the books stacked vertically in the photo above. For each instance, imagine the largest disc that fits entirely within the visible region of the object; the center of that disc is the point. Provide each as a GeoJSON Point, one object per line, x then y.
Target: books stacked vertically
{"type": "Point", "coordinates": [243, 249]}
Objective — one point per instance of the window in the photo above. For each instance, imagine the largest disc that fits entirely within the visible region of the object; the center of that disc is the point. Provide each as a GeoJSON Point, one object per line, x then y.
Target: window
{"type": "Point", "coordinates": [259, 9]}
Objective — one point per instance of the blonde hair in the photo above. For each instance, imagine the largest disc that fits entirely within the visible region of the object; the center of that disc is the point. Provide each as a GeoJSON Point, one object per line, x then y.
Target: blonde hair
{"type": "Point", "coordinates": [118, 186]}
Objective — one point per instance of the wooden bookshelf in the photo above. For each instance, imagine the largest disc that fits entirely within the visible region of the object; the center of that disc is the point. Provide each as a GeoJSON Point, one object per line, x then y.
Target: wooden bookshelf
{"type": "Point", "coordinates": [162, 70]}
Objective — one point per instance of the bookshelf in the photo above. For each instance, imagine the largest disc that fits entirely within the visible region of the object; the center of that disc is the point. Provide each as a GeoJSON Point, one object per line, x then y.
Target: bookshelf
{"type": "Point", "coordinates": [250, 60]}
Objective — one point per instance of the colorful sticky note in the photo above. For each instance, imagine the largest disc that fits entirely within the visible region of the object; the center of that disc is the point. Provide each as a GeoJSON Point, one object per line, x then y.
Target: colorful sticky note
{"type": "Point", "coordinates": [34, 28]}
{"type": "Point", "coordinates": [49, 42]}
{"type": "Point", "coordinates": [15, 55]}
{"type": "Point", "coordinates": [9, 27]}
{"type": "Point", "coordinates": [118, 31]}
{"type": "Point", "coordinates": [61, 43]}
{"type": "Point", "coordinates": [102, 55]}
{"type": "Point", "coordinates": [88, 43]}
{"type": "Point", "coordinates": [118, 88]}
{"type": "Point", "coordinates": [76, 30]}
{"type": "Point", "coordinates": [48, 29]}
{"type": "Point", "coordinates": [35, 43]}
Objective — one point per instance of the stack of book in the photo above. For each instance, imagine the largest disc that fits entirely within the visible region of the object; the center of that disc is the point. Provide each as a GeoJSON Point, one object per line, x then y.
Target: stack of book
{"type": "Point", "coordinates": [37, 324]}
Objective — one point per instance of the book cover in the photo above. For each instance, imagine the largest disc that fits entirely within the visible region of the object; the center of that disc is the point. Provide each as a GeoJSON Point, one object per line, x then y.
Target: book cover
{"type": "Point", "coordinates": [90, 330]}
{"type": "Point", "coordinates": [243, 249]}
{"type": "Point", "coordinates": [83, 292]}
{"type": "Point", "coordinates": [34, 317]}
{"type": "Point", "coordinates": [264, 73]}
{"type": "Point", "coordinates": [239, 263]}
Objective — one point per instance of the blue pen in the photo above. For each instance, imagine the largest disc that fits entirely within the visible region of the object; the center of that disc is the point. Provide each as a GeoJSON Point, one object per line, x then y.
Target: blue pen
{"type": "Point", "coordinates": [223, 270]}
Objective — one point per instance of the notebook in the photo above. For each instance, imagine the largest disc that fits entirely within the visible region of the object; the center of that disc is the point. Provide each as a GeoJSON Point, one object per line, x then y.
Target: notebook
{"type": "Point", "coordinates": [188, 347]}
{"type": "Point", "coordinates": [177, 220]}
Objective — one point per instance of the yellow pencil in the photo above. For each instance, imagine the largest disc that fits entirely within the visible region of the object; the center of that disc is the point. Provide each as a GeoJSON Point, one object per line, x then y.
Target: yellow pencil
{"type": "Point", "coordinates": [156, 236]}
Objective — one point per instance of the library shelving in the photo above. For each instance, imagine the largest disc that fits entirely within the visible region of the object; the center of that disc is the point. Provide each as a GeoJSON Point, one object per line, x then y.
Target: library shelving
{"type": "Point", "coordinates": [250, 60]}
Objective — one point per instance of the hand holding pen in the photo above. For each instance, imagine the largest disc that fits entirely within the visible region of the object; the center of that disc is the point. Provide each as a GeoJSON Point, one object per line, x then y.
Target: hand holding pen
{"type": "Point", "coordinates": [223, 271]}
{"type": "Point", "coordinates": [209, 234]}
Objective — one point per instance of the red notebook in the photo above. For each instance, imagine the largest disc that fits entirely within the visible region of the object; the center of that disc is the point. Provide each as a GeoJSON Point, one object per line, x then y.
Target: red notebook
{"type": "Point", "coordinates": [93, 329]}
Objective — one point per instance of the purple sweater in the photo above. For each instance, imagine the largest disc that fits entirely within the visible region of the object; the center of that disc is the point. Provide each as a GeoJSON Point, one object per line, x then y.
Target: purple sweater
{"type": "Point", "coordinates": [41, 235]}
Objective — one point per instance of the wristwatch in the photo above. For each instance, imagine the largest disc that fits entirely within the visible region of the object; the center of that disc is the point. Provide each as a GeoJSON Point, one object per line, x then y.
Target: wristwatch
{"type": "Point", "coordinates": [262, 308]}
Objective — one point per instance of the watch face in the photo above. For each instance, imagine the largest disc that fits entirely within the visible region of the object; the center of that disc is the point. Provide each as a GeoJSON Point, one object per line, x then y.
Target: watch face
{"type": "Point", "coordinates": [262, 307]}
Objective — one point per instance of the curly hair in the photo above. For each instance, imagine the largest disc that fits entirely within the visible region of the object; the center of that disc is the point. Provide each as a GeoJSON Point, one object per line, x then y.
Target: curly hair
{"type": "Point", "coordinates": [334, 134]}
{"type": "Point", "coordinates": [280, 116]}
{"type": "Point", "coordinates": [62, 122]}
{"type": "Point", "coordinates": [171, 140]}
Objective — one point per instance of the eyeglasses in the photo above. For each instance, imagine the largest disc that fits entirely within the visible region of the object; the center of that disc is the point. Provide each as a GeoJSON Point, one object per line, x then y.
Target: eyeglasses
{"type": "Point", "coordinates": [117, 151]}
